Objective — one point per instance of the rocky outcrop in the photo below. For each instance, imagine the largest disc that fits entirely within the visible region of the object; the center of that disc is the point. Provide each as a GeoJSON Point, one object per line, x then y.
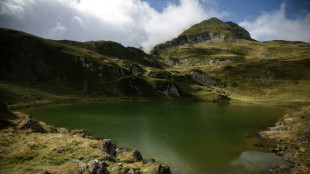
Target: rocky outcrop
{"type": "Point", "coordinates": [33, 125]}
{"type": "Point", "coordinates": [201, 76]}
{"type": "Point", "coordinates": [166, 88]}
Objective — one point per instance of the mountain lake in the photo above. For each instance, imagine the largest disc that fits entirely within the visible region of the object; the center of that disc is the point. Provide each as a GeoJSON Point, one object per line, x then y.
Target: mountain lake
{"type": "Point", "coordinates": [190, 137]}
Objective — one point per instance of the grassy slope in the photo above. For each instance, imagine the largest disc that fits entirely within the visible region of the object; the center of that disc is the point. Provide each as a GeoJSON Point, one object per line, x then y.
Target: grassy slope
{"type": "Point", "coordinates": [275, 71]}
{"type": "Point", "coordinates": [24, 151]}
{"type": "Point", "coordinates": [34, 69]}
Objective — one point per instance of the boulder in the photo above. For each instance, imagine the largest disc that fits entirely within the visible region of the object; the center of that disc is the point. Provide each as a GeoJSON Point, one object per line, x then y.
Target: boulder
{"type": "Point", "coordinates": [163, 169]}
{"type": "Point", "coordinates": [137, 156]}
{"type": "Point", "coordinates": [108, 147]}
{"type": "Point", "coordinates": [33, 125]}
{"type": "Point", "coordinates": [97, 167]}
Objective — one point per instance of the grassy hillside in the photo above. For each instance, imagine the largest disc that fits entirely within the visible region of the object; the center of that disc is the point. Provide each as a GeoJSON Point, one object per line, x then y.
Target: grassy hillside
{"type": "Point", "coordinates": [54, 70]}
{"type": "Point", "coordinates": [243, 69]}
{"type": "Point", "coordinates": [211, 61]}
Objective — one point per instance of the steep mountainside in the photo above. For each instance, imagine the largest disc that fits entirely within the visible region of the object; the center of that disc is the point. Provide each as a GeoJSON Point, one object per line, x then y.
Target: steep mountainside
{"type": "Point", "coordinates": [210, 61]}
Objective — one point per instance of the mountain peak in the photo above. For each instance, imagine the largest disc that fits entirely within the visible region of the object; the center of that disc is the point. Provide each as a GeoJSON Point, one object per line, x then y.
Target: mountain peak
{"type": "Point", "coordinates": [216, 27]}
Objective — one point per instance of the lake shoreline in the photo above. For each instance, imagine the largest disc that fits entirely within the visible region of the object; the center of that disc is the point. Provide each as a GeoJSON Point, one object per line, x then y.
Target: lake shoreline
{"type": "Point", "coordinates": [270, 141]}
{"type": "Point", "coordinates": [45, 148]}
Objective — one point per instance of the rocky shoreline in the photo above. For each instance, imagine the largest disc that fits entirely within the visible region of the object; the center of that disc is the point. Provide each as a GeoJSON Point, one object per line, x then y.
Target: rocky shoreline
{"type": "Point", "coordinates": [31, 146]}
{"type": "Point", "coordinates": [290, 138]}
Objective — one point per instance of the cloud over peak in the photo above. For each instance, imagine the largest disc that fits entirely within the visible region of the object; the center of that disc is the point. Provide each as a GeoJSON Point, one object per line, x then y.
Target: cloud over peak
{"type": "Point", "coordinates": [130, 22]}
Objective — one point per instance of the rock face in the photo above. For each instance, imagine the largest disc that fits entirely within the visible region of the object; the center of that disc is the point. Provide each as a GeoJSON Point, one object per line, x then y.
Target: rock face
{"type": "Point", "coordinates": [97, 167]}
{"type": "Point", "coordinates": [34, 126]}
{"type": "Point", "coordinates": [166, 88]}
{"type": "Point", "coordinates": [201, 76]}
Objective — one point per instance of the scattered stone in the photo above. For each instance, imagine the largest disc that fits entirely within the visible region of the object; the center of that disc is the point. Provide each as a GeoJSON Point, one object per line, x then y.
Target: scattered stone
{"type": "Point", "coordinates": [82, 167]}
{"type": "Point", "coordinates": [97, 167]}
{"type": "Point", "coordinates": [34, 125]}
{"type": "Point", "coordinates": [247, 135]}
{"type": "Point", "coordinates": [108, 147]}
{"type": "Point", "coordinates": [291, 115]}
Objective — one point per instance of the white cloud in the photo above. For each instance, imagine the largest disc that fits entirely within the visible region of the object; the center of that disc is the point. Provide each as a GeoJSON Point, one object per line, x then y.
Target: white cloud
{"type": "Point", "coordinates": [130, 22]}
{"type": "Point", "coordinates": [276, 26]}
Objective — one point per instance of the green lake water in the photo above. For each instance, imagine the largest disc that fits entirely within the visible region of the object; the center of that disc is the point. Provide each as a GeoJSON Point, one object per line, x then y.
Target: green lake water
{"type": "Point", "coordinates": [189, 137]}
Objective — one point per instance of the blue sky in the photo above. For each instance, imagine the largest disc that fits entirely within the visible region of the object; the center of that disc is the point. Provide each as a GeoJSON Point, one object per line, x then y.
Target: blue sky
{"type": "Point", "coordinates": [247, 9]}
{"type": "Point", "coordinates": [145, 23]}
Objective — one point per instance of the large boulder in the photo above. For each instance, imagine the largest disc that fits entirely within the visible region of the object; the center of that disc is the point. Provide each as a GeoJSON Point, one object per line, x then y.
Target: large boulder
{"type": "Point", "coordinates": [137, 156]}
{"type": "Point", "coordinates": [33, 125]}
{"type": "Point", "coordinates": [97, 167]}
{"type": "Point", "coordinates": [108, 147]}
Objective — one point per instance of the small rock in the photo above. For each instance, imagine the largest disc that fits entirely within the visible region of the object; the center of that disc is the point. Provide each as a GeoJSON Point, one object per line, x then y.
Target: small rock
{"type": "Point", "coordinates": [131, 171]}
{"type": "Point", "coordinates": [82, 167]}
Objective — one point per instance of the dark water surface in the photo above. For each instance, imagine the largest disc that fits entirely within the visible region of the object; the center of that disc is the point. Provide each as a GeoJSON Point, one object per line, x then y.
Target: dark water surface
{"type": "Point", "coordinates": [189, 137]}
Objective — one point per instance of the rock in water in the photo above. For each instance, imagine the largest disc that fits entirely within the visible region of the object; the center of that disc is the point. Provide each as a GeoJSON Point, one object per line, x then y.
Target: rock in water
{"type": "Point", "coordinates": [108, 147]}
{"type": "Point", "coordinates": [97, 167]}
{"type": "Point", "coordinates": [34, 125]}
